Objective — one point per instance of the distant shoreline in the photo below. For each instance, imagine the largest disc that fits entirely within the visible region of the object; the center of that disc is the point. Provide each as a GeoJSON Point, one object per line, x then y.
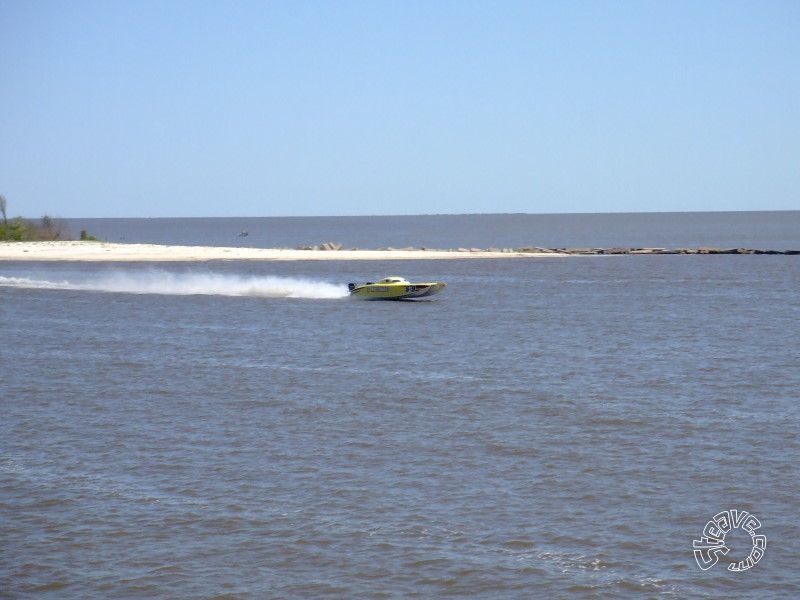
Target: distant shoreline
{"type": "Point", "coordinates": [121, 252]}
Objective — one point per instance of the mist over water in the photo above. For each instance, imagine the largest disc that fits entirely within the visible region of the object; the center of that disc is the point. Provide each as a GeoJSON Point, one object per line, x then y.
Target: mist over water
{"type": "Point", "coordinates": [157, 281]}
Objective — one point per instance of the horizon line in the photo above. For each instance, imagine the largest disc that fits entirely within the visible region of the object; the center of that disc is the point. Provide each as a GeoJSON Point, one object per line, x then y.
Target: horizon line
{"type": "Point", "coordinates": [408, 215]}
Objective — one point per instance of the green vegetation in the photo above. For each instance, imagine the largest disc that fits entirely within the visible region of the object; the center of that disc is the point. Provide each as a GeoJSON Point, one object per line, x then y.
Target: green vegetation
{"type": "Point", "coordinates": [25, 230]}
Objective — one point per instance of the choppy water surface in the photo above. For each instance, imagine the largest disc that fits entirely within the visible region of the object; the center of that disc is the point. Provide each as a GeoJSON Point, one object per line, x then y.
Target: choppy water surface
{"type": "Point", "coordinates": [544, 426]}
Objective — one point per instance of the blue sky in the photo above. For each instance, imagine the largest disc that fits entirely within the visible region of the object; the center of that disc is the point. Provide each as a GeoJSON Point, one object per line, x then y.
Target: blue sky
{"type": "Point", "coordinates": [169, 108]}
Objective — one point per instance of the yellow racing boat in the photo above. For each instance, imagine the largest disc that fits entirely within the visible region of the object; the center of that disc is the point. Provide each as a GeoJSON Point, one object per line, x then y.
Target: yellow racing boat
{"type": "Point", "coordinates": [394, 288]}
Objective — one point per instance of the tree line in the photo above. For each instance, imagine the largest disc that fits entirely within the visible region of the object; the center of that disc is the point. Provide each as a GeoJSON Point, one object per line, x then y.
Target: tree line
{"type": "Point", "coordinates": [19, 229]}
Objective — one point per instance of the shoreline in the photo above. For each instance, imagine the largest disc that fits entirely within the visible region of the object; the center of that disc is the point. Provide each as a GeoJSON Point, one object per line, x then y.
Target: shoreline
{"type": "Point", "coordinates": [91, 251]}
{"type": "Point", "coordinates": [120, 252]}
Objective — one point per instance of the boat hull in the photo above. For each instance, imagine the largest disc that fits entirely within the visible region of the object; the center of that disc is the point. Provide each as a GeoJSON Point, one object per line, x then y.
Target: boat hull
{"type": "Point", "coordinates": [396, 291]}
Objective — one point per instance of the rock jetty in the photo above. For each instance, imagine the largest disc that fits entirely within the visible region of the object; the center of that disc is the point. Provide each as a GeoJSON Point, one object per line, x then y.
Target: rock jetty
{"type": "Point", "coordinates": [701, 250]}
{"type": "Point", "coordinates": [615, 250]}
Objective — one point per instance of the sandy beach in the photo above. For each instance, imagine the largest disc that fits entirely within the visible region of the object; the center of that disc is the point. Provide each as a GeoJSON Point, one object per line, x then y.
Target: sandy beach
{"type": "Point", "coordinates": [108, 252]}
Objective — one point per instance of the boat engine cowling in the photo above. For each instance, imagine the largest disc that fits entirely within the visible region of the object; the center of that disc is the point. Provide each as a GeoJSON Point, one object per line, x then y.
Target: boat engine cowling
{"type": "Point", "coordinates": [351, 286]}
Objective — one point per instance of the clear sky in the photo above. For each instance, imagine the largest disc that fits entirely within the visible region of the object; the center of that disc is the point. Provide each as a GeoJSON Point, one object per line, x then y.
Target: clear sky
{"type": "Point", "coordinates": [270, 108]}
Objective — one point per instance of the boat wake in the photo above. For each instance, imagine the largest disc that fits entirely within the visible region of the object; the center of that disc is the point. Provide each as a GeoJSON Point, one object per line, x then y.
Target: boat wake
{"type": "Point", "coordinates": [187, 284]}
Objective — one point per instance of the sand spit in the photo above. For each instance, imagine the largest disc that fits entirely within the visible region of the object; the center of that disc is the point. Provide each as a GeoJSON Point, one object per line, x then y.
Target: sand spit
{"type": "Point", "coordinates": [116, 252]}
{"type": "Point", "coordinates": [101, 251]}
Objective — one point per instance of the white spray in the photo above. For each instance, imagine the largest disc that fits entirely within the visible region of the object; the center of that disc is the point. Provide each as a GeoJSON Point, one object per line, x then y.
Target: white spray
{"type": "Point", "coordinates": [186, 284]}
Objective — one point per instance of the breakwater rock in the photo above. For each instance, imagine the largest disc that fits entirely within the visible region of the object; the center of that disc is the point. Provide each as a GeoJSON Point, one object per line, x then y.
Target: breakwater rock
{"type": "Point", "coordinates": [701, 250]}
{"type": "Point", "coordinates": [536, 250]}
{"type": "Point", "coordinates": [332, 246]}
